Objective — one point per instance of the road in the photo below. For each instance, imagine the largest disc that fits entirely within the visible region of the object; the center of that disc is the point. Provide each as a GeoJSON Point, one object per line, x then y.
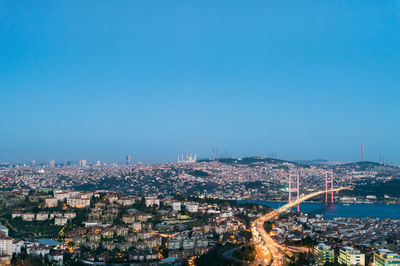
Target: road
{"type": "Point", "coordinates": [269, 252]}
{"type": "Point", "coordinates": [229, 255]}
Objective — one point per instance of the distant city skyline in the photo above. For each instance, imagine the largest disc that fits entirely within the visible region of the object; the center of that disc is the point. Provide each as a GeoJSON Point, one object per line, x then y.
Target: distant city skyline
{"type": "Point", "coordinates": [304, 80]}
{"type": "Point", "coordinates": [128, 160]}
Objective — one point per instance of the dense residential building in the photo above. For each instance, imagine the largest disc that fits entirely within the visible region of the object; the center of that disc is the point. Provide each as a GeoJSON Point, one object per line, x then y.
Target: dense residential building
{"type": "Point", "coordinates": [6, 245]}
{"type": "Point", "coordinates": [78, 202]}
{"type": "Point", "coordinates": [51, 202]}
{"type": "Point", "coordinates": [350, 256]}
{"type": "Point", "coordinates": [181, 211]}
{"type": "Point", "coordinates": [152, 201]}
{"type": "Point", "coordinates": [60, 221]}
{"type": "Point", "coordinates": [323, 254]}
{"type": "Point", "coordinates": [17, 246]}
{"type": "Point", "coordinates": [385, 257]}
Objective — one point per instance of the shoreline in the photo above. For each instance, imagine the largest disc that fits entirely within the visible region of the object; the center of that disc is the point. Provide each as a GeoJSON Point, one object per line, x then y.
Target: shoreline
{"type": "Point", "coordinates": [359, 210]}
{"type": "Point", "coordinates": [338, 202]}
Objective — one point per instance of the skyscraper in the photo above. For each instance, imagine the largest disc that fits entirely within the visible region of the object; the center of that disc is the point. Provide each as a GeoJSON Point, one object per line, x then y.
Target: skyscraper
{"type": "Point", "coordinates": [52, 163]}
{"type": "Point", "coordinates": [128, 160]}
{"type": "Point", "coordinates": [82, 163]}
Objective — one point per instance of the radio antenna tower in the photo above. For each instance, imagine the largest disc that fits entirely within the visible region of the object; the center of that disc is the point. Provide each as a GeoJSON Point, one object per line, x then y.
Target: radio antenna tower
{"type": "Point", "coordinates": [362, 153]}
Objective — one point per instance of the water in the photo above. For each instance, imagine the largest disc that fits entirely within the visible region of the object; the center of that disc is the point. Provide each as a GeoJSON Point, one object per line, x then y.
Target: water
{"type": "Point", "coordinates": [330, 211]}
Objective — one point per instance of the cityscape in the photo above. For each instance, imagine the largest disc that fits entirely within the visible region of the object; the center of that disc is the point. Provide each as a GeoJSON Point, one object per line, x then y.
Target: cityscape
{"type": "Point", "coordinates": [190, 211]}
{"type": "Point", "coordinates": [199, 133]}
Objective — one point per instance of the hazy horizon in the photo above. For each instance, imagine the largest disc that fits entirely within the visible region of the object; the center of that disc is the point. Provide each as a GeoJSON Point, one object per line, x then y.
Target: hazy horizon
{"type": "Point", "coordinates": [304, 80]}
{"type": "Point", "coordinates": [122, 160]}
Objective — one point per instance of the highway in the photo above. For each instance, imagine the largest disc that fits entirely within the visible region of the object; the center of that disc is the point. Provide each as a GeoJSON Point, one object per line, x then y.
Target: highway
{"type": "Point", "coordinates": [269, 252]}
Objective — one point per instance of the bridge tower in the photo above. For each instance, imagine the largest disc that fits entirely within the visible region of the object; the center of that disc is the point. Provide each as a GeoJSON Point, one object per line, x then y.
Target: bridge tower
{"type": "Point", "coordinates": [294, 189]}
{"type": "Point", "coordinates": [328, 180]}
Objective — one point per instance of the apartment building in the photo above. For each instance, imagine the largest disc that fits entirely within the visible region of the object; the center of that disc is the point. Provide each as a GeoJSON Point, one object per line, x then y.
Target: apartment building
{"type": "Point", "coordinates": [350, 256]}
{"type": "Point", "coordinates": [323, 254]}
{"type": "Point", "coordinates": [385, 257]}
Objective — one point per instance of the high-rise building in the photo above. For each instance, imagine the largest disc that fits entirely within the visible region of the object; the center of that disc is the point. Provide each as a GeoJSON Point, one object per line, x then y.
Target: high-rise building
{"type": "Point", "coordinates": [33, 163]}
{"type": "Point", "coordinates": [350, 256]}
{"type": "Point", "coordinates": [385, 257]}
{"type": "Point", "coordinates": [5, 245]}
{"type": "Point", "coordinates": [82, 163]}
{"type": "Point", "coordinates": [52, 163]}
{"type": "Point", "coordinates": [128, 160]}
{"type": "Point", "coordinates": [98, 163]}
{"type": "Point", "coordinates": [323, 254]}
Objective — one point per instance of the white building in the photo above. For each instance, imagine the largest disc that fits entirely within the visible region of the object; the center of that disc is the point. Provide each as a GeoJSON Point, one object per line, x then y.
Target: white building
{"type": "Point", "coordinates": [78, 202]}
{"type": "Point", "coordinates": [17, 246]}
{"type": "Point", "coordinates": [70, 215]}
{"type": "Point", "coordinates": [56, 214]}
{"type": "Point", "coordinates": [136, 226]}
{"type": "Point", "coordinates": [202, 242]}
{"type": "Point", "coordinates": [60, 221]}
{"type": "Point", "coordinates": [85, 195]}
{"type": "Point", "coordinates": [176, 205]}
{"type": "Point", "coordinates": [188, 159]}
{"type": "Point", "coordinates": [192, 207]}
{"type": "Point", "coordinates": [6, 245]}
{"type": "Point", "coordinates": [89, 224]}
{"type": "Point", "coordinates": [28, 216]}
{"type": "Point", "coordinates": [38, 251]}
{"type": "Point", "coordinates": [56, 257]}
{"type": "Point", "coordinates": [16, 214]}
{"type": "Point", "coordinates": [151, 201]}
{"type": "Point", "coordinates": [126, 201]}
{"type": "Point", "coordinates": [63, 195]}
{"type": "Point", "coordinates": [42, 216]}
{"type": "Point", "coordinates": [51, 202]}
{"type": "Point", "coordinates": [350, 256]}
{"type": "Point", "coordinates": [188, 243]}
{"type": "Point", "coordinates": [174, 244]}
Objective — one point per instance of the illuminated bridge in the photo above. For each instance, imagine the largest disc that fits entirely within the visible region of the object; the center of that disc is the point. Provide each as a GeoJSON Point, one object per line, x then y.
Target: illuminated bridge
{"type": "Point", "coordinates": [269, 252]}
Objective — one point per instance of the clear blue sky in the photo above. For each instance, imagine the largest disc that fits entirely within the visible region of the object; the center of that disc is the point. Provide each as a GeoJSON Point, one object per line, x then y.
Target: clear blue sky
{"type": "Point", "coordinates": [99, 79]}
